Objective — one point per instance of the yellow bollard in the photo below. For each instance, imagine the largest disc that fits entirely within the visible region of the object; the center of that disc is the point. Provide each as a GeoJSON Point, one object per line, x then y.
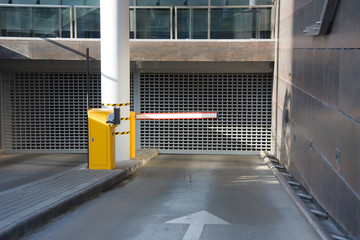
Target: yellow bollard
{"type": "Point", "coordinates": [132, 134]}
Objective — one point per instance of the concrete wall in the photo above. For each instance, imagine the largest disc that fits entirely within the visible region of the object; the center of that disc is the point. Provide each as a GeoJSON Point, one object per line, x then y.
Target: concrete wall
{"type": "Point", "coordinates": [140, 50]}
{"type": "Point", "coordinates": [318, 80]}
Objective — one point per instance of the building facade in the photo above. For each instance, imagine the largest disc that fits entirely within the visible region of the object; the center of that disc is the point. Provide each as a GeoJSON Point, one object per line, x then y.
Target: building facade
{"type": "Point", "coordinates": [183, 58]}
{"type": "Point", "coordinates": [274, 90]}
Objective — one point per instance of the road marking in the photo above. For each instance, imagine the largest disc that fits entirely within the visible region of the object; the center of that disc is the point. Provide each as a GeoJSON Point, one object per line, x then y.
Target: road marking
{"type": "Point", "coordinates": [197, 222]}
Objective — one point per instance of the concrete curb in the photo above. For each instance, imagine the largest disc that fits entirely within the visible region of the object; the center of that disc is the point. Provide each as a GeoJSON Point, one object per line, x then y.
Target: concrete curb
{"type": "Point", "coordinates": [35, 220]}
{"type": "Point", "coordinates": [26, 225]}
{"type": "Point", "coordinates": [313, 221]}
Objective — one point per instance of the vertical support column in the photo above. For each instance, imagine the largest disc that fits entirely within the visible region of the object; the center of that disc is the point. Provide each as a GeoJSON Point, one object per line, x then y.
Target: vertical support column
{"type": "Point", "coordinates": [275, 100]}
{"type": "Point", "coordinates": [209, 23]}
{"type": "Point", "coordinates": [115, 66]}
{"type": "Point", "coordinates": [137, 107]}
{"type": "Point", "coordinates": [191, 23]}
{"type": "Point", "coordinates": [71, 22]}
{"type": "Point", "coordinates": [171, 24]}
{"type": "Point", "coordinates": [254, 30]}
{"type": "Point", "coordinates": [60, 23]}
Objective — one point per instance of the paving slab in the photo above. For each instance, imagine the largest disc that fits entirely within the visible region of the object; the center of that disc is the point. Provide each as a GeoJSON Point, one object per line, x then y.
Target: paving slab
{"type": "Point", "coordinates": [30, 206]}
{"type": "Point", "coordinates": [21, 168]}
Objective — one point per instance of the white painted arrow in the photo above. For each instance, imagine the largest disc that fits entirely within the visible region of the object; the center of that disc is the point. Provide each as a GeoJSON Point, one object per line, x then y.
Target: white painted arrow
{"type": "Point", "coordinates": [197, 222]}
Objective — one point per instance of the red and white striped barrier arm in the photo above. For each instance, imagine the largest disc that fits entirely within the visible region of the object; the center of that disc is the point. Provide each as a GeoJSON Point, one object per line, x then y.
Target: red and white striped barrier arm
{"type": "Point", "coordinates": [176, 116]}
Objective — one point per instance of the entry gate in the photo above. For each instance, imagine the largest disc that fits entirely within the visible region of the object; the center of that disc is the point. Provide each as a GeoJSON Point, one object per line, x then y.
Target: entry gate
{"type": "Point", "coordinates": [243, 103]}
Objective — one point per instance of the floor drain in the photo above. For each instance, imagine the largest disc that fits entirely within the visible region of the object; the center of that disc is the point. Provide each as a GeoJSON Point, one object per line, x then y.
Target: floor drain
{"type": "Point", "coordinates": [324, 218]}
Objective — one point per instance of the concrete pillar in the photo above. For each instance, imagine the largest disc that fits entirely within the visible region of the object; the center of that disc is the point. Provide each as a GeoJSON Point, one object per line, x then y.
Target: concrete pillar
{"type": "Point", "coordinates": [115, 65]}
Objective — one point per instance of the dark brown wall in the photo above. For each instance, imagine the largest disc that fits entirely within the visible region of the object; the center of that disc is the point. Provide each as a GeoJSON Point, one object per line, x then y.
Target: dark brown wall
{"type": "Point", "coordinates": [318, 80]}
{"type": "Point", "coordinates": [0, 112]}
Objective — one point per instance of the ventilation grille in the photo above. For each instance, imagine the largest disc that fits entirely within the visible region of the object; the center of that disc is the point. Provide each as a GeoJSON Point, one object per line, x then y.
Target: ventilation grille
{"type": "Point", "coordinates": [243, 102]}
{"type": "Point", "coordinates": [46, 112]}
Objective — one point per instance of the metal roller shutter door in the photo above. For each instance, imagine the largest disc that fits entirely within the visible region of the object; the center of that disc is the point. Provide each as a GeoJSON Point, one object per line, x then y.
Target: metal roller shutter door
{"type": "Point", "coordinates": [46, 112]}
{"type": "Point", "coordinates": [243, 102]}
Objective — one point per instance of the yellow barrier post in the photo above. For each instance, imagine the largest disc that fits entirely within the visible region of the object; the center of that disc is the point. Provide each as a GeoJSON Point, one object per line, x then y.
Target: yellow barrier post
{"type": "Point", "coordinates": [101, 139]}
{"type": "Point", "coordinates": [132, 134]}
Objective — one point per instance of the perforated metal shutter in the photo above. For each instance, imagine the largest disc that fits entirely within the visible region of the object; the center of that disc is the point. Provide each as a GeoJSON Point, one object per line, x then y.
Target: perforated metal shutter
{"type": "Point", "coordinates": [46, 112]}
{"type": "Point", "coordinates": [243, 102]}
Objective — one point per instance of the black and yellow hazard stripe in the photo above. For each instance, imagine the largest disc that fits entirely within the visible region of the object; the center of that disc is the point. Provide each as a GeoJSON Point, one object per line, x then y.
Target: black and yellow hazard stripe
{"type": "Point", "coordinates": [122, 133]}
{"type": "Point", "coordinates": [116, 105]}
{"type": "Point", "coordinates": [124, 119]}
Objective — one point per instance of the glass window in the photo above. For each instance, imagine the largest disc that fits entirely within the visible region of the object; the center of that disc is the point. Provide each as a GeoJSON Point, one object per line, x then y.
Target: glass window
{"type": "Point", "coordinates": [27, 1]}
{"type": "Point", "coordinates": [92, 2]}
{"type": "Point", "coordinates": [73, 2]}
{"type": "Point", "coordinates": [57, 2]}
{"type": "Point", "coordinates": [196, 3]}
{"type": "Point", "coordinates": [192, 24]}
{"type": "Point", "coordinates": [229, 2]}
{"type": "Point", "coordinates": [88, 22]}
{"type": "Point", "coordinates": [171, 2]}
{"type": "Point", "coordinates": [153, 23]}
{"type": "Point", "coordinates": [50, 2]}
{"type": "Point", "coordinates": [34, 22]}
{"type": "Point", "coordinates": [81, 2]}
{"type": "Point", "coordinates": [233, 23]}
{"type": "Point", "coordinates": [264, 2]}
{"type": "Point", "coordinates": [240, 2]}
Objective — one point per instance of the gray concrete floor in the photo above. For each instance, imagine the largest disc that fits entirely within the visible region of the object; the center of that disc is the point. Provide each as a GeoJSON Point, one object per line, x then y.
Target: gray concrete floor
{"type": "Point", "coordinates": [19, 169]}
{"type": "Point", "coordinates": [240, 190]}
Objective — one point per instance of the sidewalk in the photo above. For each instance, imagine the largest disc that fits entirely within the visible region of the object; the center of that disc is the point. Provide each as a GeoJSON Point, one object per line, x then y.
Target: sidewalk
{"type": "Point", "coordinates": [30, 206]}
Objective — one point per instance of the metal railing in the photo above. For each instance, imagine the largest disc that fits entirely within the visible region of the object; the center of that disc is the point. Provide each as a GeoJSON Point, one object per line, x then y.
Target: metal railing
{"type": "Point", "coordinates": [182, 22]}
{"type": "Point", "coordinates": [225, 22]}
{"type": "Point", "coordinates": [19, 20]}
{"type": "Point", "coordinates": [151, 22]}
{"type": "Point", "coordinates": [89, 18]}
